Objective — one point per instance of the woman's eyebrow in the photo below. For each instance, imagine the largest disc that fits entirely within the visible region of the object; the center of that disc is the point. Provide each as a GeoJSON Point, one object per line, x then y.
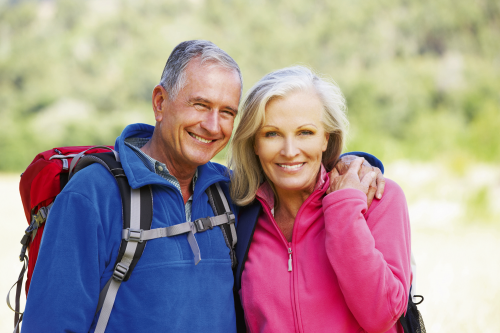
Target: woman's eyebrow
{"type": "Point", "coordinates": [311, 124]}
{"type": "Point", "coordinates": [270, 126]}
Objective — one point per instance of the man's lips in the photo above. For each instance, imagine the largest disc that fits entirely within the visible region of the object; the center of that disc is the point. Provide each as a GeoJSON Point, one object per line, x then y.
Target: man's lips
{"type": "Point", "coordinates": [199, 138]}
{"type": "Point", "coordinates": [290, 166]}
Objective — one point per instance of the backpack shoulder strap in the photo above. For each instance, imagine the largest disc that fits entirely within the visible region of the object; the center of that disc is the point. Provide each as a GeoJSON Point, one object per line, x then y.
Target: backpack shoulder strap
{"type": "Point", "coordinates": [220, 206]}
{"type": "Point", "coordinates": [137, 213]}
{"type": "Point", "coordinates": [137, 205]}
{"type": "Point", "coordinates": [247, 221]}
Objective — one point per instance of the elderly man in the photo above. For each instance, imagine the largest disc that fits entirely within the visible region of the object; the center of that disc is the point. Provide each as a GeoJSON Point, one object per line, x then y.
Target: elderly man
{"type": "Point", "coordinates": [194, 105]}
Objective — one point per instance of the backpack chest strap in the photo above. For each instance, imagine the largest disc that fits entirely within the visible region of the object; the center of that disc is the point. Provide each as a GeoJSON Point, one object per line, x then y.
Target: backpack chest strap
{"type": "Point", "coordinates": [191, 228]}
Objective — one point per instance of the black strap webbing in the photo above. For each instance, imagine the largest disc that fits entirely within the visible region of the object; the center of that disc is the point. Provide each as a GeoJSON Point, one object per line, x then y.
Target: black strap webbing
{"type": "Point", "coordinates": [18, 316]}
{"type": "Point", "coordinates": [216, 201]}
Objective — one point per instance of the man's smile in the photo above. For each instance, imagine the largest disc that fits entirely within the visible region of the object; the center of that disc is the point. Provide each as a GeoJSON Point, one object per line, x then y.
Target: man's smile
{"type": "Point", "coordinates": [199, 138]}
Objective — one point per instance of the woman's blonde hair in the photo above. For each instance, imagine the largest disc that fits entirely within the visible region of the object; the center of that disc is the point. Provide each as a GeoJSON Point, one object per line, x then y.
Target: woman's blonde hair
{"type": "Point", "coordinates": [247, 171]}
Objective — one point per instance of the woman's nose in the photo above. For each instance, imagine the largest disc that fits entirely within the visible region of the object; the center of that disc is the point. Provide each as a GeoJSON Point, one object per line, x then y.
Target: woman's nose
{"type": "Point", "coordinates": [290, 148]}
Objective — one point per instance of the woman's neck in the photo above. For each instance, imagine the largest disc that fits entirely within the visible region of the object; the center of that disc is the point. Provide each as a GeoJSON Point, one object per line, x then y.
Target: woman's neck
{"type": "Point", "coordinates": [287, 208]}
{"type": "Point", "coordinates": [290, 201]}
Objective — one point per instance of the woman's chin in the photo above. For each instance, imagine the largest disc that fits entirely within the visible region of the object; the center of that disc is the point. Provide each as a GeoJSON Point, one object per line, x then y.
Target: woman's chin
{"type": "Point", "coordinates": [289, 187]}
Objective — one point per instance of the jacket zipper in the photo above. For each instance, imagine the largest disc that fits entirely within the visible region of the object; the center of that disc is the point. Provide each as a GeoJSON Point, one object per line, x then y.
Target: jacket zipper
{"type": "Point", "coordinates": [288, 246]}
{"type": "Point", "coordinates": [289, 252]}
{"type": "Point", "coordinates": [290, 259]}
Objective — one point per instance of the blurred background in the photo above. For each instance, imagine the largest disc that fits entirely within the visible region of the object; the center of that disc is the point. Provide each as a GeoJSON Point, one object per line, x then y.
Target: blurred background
{"type": "Point", "coordinates": [421, 79]}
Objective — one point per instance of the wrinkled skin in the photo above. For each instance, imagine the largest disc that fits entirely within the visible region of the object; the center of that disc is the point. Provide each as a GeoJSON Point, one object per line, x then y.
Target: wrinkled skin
{"type": "Point", "coordinates": [371, 179]}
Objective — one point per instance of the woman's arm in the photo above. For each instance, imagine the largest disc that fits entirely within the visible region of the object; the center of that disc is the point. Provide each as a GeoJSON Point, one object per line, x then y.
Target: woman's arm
{"type": "Point", "coordinates": [371, 257]}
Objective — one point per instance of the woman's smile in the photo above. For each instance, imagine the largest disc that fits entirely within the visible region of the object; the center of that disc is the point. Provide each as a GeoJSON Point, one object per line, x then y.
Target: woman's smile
{"type": "Point", "coordinates": [290, 166]}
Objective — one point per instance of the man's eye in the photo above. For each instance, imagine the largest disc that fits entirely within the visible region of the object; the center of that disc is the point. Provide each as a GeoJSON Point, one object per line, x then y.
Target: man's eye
{"type": "Point", "coordinates": [228, 112]}
{"type": "Point", "coordinates": [199, 106]}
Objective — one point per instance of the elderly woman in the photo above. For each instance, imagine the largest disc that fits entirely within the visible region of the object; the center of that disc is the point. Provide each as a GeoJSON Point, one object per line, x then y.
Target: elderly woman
{"type": "Point", "coordinates": [317, 260]}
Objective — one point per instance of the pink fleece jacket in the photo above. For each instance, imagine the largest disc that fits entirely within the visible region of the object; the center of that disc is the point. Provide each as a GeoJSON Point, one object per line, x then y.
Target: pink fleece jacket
{"type": "Point", "coordinates": [350, 267]}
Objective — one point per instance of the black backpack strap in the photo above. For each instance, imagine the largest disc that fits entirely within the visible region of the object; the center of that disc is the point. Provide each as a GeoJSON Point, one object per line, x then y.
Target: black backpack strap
{"type": "Point", "coordinates": [137, 213]}
{"type": "Point", "coordinates": [246, 227]}
{"type": "Point", "coordinates": [220, 206]}
{"type": "Point", "coordinates": [18, 316]}
{"type": "Point", "coordinates": [412, 322]}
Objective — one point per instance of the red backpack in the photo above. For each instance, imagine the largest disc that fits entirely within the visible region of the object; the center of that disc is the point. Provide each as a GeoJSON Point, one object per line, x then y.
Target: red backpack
{"type": "Point", "coordinates": [42, 181]}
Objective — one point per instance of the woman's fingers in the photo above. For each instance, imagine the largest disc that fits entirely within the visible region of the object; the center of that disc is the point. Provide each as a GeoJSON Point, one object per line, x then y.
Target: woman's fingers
{"type": "Point", "coordinates": [334, 173]}
{"type": "Point", "coordinates": [371, 191]}
{"type": "Point", "coordinates": [380, 183]}
{"type": "Point", "coordinates": [368, 183]}
{"type": "Point", "coordinates": [368, 179]}
{"type": "Point", "coordinates": [355, 166]}
{"type": "Point", "coordinates": [333, 179]}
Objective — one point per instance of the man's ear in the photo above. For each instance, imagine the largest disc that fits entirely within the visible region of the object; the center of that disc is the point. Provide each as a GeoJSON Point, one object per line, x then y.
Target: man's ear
{"type": "Point", "coordinates": [159, 99]}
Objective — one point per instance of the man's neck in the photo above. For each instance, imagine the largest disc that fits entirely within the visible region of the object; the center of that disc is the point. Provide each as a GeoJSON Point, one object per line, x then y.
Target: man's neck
{"type": "Point", "coordinates": [183, 175]}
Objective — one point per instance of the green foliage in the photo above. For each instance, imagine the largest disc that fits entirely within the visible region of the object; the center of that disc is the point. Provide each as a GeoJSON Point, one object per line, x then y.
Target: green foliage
{"type": "Point", "coordinates": [421, 77]}
{"type": "Point", "coordinates": [478, 208]}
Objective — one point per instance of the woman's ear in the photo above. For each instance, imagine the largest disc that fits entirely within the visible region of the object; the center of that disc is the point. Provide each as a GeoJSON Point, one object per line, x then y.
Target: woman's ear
{"type": "Point", "coordinates": [255, 148]}
{"type": "Point", "coordinates": [325, 143]}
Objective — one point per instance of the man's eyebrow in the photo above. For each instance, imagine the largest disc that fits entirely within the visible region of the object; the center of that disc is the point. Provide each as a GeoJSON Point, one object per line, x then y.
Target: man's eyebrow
{"type": "Point", "coordinates": [199, 99]}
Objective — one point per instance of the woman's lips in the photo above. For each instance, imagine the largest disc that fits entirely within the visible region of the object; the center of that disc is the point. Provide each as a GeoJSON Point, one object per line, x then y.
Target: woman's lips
{"type": "Point", "coordinates": [290, 166]}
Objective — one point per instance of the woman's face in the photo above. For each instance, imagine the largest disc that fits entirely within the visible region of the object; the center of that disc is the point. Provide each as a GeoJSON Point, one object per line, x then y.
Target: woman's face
{"type": "Point", "coordinates": [291, 141]}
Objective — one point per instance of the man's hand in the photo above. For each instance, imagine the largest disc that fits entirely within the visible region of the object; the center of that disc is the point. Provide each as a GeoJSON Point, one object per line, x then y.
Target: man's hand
{"type": "Point", "coordinates": [377, 185]}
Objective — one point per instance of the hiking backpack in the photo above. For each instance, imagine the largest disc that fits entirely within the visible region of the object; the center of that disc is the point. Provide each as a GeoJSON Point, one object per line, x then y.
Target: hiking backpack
{"type": "Point", "coordinates": [48, 174]}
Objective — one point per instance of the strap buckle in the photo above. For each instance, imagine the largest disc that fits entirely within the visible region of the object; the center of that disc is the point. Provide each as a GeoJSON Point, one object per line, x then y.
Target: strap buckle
{"type": "Point", "coordinates": [120, 271]}
{"type": "Point", "coordinates": [231, 219]}
{"type": "Point", "coordinates": [133, 235]}
{"type": "Point", "coordinates": [203, 224]}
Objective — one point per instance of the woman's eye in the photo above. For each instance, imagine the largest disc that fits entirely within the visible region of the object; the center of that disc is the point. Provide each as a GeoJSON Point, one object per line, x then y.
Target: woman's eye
{"type": "Point", "coordinates": [270, 134]}
{"type": "Point", "coordinates": [306, 133]}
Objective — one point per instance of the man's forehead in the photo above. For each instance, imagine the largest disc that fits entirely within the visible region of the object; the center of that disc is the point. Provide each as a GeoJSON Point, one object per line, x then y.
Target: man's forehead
{"type": "Point", "coordinates": [204, 78]}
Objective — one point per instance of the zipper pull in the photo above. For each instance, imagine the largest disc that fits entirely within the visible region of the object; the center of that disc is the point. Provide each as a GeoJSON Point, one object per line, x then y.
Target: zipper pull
{"type": "Point", "coordinates": [289, 259]}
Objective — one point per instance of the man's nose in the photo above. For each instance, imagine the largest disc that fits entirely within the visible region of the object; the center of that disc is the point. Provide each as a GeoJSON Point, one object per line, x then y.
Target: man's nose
{"type": "Point", "coordinates": [290, 148]}
{"type": "Point", "coordinates": [211, 122]}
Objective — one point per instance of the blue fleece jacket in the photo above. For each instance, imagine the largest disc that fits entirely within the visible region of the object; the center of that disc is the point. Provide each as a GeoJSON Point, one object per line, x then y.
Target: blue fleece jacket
{"type": "Point", "coordinates": [166, 291]}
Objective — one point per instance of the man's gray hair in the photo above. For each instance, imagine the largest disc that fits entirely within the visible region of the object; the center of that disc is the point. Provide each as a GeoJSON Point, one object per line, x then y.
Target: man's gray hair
{"type": "Point", "coordinates": [173, 78]}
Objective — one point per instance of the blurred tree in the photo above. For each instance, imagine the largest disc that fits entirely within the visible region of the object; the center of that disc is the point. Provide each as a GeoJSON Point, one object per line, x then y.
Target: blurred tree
{"type": "Point", "coordinates": [421, 78]}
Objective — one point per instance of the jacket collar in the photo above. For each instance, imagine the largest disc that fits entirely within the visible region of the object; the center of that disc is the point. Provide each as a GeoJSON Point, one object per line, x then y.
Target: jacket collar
{"type": "Point", "coordinates": [139, 175]}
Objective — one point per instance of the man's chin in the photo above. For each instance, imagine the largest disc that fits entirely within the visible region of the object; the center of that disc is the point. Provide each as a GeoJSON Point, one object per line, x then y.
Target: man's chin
{"type": "Point", "coordinates": [201, 159]}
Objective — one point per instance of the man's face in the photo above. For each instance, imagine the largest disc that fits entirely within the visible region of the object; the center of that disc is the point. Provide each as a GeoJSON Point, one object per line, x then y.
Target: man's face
{"type": "Point", "coordinates": [198, 123]}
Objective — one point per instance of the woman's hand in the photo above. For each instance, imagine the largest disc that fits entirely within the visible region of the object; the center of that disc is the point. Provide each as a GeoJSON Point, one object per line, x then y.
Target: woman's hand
{"type": "Point", "coordinates": [351, 179]}
{"type": "Point", "coordinates": [377, 186]}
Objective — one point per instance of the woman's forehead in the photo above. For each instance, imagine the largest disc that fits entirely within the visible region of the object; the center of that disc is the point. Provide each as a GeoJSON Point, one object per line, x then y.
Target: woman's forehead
{"type": "Point", "coordinates": [301, 106]}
